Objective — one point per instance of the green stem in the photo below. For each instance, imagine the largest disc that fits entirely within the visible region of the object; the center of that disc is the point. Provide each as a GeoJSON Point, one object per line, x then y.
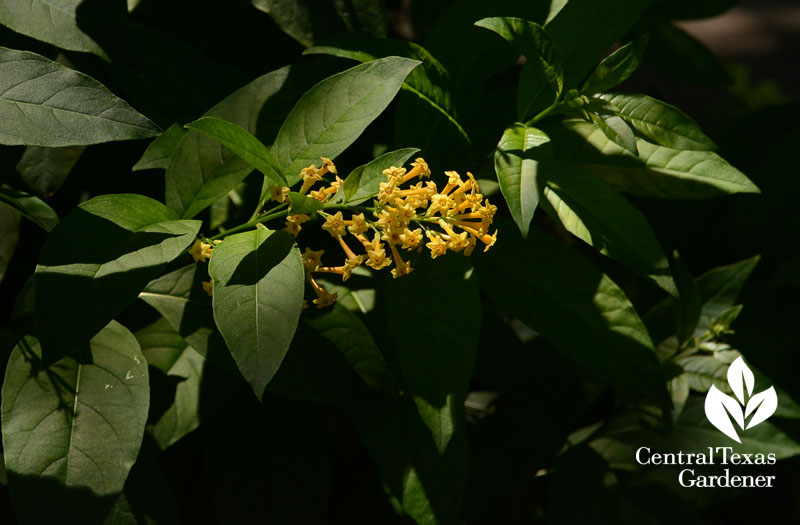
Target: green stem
{"type": "Point", "coordinates": [544, 113]}
{"type": "Point", "coordinates": [251, 224]}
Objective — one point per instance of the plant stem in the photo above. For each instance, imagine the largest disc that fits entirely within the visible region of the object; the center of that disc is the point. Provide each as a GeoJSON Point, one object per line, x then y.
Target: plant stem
{"type": "Point", "coordinates": [252, 223]}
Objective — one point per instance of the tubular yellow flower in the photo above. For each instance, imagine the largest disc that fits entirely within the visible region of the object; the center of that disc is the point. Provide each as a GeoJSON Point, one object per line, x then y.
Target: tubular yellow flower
{"type": "Point", "coordinates": [200, 251]}
{"type": "Point", "coordinates": [324, 298]}
{"type": "Point", "coordinates": [401, 267]}
{"type": "Point", "coordinates": [208, 287]}
{"type": "Point", "coordinates": [292, 228]}
{"type": "Point", "coordinates": [327, 166]}
{"type": "Point", "coordinates": [419, 169]}
{"type": "Point", "coordinates": [440, 203]}
{"type": "Point", "coordinates": [410, 238]}
{"type": "Point", "coordinates": [437, 246]}
{"type": "Point", "coordinates": [320, 195]}
{"type": "Point", "coordinates": [310, 176]}
{"type": "Point", "coordinates": [312, 259]}
{"type": "Point", "coordinates": [358, 224]}
{"type": "Point", "coordinates": [278, 193]}
{"type": "Point", "coordinates": [453, 181]}
{"type": "Point", "coordinates": [334, 224]}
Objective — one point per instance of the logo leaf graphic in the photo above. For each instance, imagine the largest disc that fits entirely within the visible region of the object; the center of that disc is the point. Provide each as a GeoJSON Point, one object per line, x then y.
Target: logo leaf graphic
{"type": "Point", "coordinates": [765, 402]}
{"type": "Point", "coordinates": [739, 376]}
{"type": "Point", "coordinates": [718, 406]}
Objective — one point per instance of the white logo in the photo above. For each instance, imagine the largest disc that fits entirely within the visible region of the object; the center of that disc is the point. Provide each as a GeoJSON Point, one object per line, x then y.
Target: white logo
{"type": "Point", "coordinates": [720, 407]}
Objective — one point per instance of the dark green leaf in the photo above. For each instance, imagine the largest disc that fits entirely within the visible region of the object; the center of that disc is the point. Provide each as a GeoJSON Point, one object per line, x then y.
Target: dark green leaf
{"type": "Point", "coordinates": [302, 204]}
{"type": "Point", "coordinates": [146, 498]}
{"type": "Point", "coordinates": [543, 66]}
{"type": "Point", "coordinates": [201, 170]}
{"type": "Point", "coordinates": [57, 22]}
{"type": "Point", "coordinates": [241, 142]}
{"type": "Point", "coordinates": [31, 207]}
{"type": "Point", "coordinates": [719, 289]}
{"type": "Point", "coordinates": [332, 115]}
{"type": "Point", "coordinates": [516, 162]}
{"type": "Point", "coordinates": [9, 235]}
{"type": "Point", "coordinates": [584, 30]}
{"type": "Point", "coordinates": [44, 170]}
{"type": "Point", "coordinates": [592, 211]}
{"type": "Point", "coordinates": [167, 351]}
{"type": "Point", "coordinates": [368, 16]}
{"type": "Point", "coordinates": [431, 82]}
{"type": "Point", "coordinates": [616, 67]}
{"type": "Point", "coordinates": [72, 432]}
{"type": "Point", "coordinates": [258, 294]}
{"type": "Point", "coordinates": [617, 131]}
{"type": "Point", "coordinates": [573, 305]}
{"type": "Point", "coordinates": [363, 182]}
{"type": "Point", "coordinates": [426, 483]}
{"type": "Point", "coordinates": [436, 345]}
{"type": "Point", "coordinates": [659, 122]}
{"type": "Point", "coordinates": [179, 297]}
{"type": "Point", "coordinates": [158, 153]}
{"type": "Point", "coordinates": [97, 260]}
{"type": "Point", "coordinates": [689, 302]}
{"type": "Point", "coordinates": [658, 171]}
{"type": "Point", "coordinates": [345, 331]}
{"type": "Point", "coordinates": [43, 103]}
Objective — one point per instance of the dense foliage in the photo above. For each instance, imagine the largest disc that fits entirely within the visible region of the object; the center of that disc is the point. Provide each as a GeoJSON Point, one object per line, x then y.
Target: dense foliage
{"type": "Point", "coordinates": [287, 262]}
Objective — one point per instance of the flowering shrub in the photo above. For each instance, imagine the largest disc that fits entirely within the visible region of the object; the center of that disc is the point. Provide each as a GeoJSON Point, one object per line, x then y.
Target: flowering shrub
{"type": "Point", "coordinates": [534, 266]}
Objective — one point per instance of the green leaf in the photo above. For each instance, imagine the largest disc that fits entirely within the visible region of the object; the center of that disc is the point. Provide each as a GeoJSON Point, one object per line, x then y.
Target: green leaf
{"type": "Point", "coordinates": [57, 22]}
{"type": "Point", "coordinates": [719, 289]}
{"type": "Point", "coordinates": [592, 211]}
{"type": "Point", "coordinates": [659, 122]}
{"type": "Point", "coordinates": [516, 162]}
{"type": "Point", "coordinates": [179, 297]}
{"type": "Point", "coordinates": [167, 351]}
{"type": "Point", "coordinates": [43, 103]}
{"type": "Point", "coordinates": [258, 294]}
{"type": "Point", "coordinates": [583, 30]}
{"type": "Point", "coordinates": [95, 263]}
{"type": "Point", "coordinates": [158, 153]}
{"type": "Point", "coordinates": [241, 142]}
{"type": "Point", "coordinates": [332, 115]}
{"type": "Point", "coordinates": [44, 170]}
{"type": "Point", "coordinates": [616, 130]}
{"type": "Point", "coordinates": [302, 204]}
{"type": "Point", "coordinates": [201, 171]}
{"type": "Point", "coordinates": [72, 432]}
{"type": "Point", "coordinates": [147, 497]}
{"type": "Point", "coordinates": [431, 82]}
{"type": "Point", "coordinates": [616, 67]}
{"type": "Point", "coordinates": [575, 306]}
{"type": "Point", "coordinates": [345, 331]}
{"type": "Point", "coordinates": [436, 346]}
{"type": "Point", "coordinates": [9, 235]}
{"type": "Point", "coordinates": [363, 182]}
{"type": "Point", "coordinates": [426, 483]}
{"type": "Point", "coordinates": [31, 207]}
{"type": "Point", "coordinates": [544, 74]}
{"type": "Point", "coordinates": [659, 171]}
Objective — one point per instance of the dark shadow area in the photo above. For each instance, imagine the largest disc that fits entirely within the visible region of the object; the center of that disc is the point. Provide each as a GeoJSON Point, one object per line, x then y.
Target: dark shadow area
{"type": "Point", "coordinates": [72, 307]}
{"type": "Point", "coordinates": [257, 264]}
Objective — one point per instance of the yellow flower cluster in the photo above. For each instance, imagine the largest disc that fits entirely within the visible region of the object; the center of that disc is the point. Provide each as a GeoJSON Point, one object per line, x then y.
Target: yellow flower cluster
{"type": "Point", "coordinates": [453, 219]}
{"type": "Point", "coordinates": [201, 252]}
